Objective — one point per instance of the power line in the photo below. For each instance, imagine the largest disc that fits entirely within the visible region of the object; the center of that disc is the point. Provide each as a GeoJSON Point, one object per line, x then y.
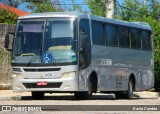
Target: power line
{"type": "Point", "coordinates": [70, 4]}
{"type": "Point", "coordinates": [135, 10]}
{"type": "Point", "coordinates": [54, 3]}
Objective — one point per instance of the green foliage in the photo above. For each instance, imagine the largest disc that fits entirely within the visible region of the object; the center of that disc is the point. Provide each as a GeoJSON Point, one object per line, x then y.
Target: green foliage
{"type": "Point", "coordinates": [75, 7]}
{"type": "Point", "coordinates": [42, 6]}
{"type": "Point", "coordinates": [97, 7]}
{"type": "Point", "coordinates": [125, 14]}
{"type": "Point", "coordinates": [7, 17]}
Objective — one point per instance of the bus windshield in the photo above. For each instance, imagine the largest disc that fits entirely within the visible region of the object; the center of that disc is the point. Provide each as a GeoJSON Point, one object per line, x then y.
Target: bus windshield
{"type": "Point", "coordinates": [49, 40]}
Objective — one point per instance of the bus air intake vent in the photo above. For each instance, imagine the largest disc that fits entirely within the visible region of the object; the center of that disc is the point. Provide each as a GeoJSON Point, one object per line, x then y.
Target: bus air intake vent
{"type": "Point", "coordinates": [49, 85]}
{"type": "Point", "coordinates": [42, 70]}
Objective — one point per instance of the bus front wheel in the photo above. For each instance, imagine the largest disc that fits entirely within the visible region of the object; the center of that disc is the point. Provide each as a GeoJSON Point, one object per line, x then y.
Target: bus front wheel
{"type": "Point", "coordinates": [85, 95]}
{"type": "Point", "coordinates": [37, 95]}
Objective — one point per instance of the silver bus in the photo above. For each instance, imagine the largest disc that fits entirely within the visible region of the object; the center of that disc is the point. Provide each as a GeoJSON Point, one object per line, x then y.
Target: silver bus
{"type": "Point", "coordinates": [81, 54]}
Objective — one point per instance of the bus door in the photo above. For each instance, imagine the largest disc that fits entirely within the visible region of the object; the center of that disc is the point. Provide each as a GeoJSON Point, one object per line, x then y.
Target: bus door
{"type": "Point", "coordinates": [84, 52]}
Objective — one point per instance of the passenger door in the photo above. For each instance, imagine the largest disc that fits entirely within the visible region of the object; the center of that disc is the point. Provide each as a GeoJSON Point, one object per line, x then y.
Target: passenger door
{"type": "Point", "coordinates": [84, 54]}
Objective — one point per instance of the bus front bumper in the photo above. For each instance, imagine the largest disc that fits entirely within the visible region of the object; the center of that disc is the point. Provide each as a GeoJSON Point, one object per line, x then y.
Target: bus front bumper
{"type": "Point", "coordinates": [58, 85]}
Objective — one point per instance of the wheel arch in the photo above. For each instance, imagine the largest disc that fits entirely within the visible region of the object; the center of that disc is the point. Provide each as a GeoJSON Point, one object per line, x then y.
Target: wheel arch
{"type": "Point", "coordinates": [94, 79]}
{"type": "Point", "coordinates": [132, 77]}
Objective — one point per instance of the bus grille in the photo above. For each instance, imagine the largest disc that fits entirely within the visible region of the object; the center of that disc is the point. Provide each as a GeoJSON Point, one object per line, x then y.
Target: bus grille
{"type": "Point", "coordinates": [41, 70]}
{"type": "Point", "coordinates": [49, 85]}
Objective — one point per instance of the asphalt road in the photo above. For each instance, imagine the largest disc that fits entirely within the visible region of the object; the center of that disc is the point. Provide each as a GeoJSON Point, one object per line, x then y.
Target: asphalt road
{"type": "Point", "coordinates": [100, 103]}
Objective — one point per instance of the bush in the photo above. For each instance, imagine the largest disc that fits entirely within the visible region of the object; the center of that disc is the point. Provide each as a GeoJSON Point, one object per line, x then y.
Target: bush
{"type": "Point", "coordinates": [7, 17]}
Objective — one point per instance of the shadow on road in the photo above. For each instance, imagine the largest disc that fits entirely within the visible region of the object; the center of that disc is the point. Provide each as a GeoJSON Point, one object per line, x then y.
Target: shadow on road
{"type": "Point", "coordinates": [71, 97]}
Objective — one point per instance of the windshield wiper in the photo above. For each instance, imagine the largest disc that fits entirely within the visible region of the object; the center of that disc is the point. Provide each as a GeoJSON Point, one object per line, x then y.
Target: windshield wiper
{"type": "Point", "coordinates": [34, 58]}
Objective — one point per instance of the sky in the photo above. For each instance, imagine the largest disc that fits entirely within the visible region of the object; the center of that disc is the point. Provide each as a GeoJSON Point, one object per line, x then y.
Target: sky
{"type": "Point", "coordinates": [85, 7]}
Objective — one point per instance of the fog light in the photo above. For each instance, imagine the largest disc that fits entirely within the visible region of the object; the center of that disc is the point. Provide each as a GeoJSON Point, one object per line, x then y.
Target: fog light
{"type": "Point", "coordinates": [17, 75]}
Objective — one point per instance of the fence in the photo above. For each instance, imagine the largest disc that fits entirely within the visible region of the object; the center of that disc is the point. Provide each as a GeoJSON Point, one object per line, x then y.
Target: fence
{"type": "Point", "coordinates": [5, 58]}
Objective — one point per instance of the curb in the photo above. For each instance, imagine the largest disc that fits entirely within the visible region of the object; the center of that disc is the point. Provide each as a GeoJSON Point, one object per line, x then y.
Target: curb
{"type": "Point", "coordinates": [9, 98]}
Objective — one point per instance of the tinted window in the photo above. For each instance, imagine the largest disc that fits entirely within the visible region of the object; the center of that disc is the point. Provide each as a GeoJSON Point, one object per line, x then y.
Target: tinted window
{"type": "Point", "coordinates": [135, 38]}
{"type": "Point", "coordinates": [84, 25]}
{"type": "Point", "coordinates": [97, 33]}
{"type": "Point", "coordinates": [146, 44]}
{"type": "Point", "coordinates": [85, 58]}
{"type": "Point", "coordinates": [123, 35]}
{"type": "Point", "coordinates": [111, 35]}
{"type": "Point", "coordinates": [139, 41]}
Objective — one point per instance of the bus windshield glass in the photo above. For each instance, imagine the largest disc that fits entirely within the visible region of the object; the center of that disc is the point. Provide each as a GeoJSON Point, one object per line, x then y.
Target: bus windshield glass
{"type": "Point", "coordinates": [47, 41]}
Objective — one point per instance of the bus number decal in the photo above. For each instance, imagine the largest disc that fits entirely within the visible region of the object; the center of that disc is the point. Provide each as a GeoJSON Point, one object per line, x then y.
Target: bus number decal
{"type": "Point", "coordinates": [106, 62]}
{"type": "Point", "coordinates": [49, 75]}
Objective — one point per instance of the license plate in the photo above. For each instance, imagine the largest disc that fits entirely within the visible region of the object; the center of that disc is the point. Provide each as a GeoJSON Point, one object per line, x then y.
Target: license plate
{"type": "Point", "coordinates": [42, 83]}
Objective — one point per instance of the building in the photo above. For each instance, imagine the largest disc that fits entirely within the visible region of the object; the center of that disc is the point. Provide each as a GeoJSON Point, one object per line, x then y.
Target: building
{"type": "Point", "coordinates": [13, 10]}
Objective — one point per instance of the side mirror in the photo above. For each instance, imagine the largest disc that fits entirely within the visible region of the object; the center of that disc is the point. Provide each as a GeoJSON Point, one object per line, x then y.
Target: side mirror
{"type": "Point", "coordinates": [6, 42]}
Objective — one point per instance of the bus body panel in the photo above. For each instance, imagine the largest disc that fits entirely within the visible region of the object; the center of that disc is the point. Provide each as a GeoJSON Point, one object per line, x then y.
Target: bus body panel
{"type": "Point", "coordinates": [114, 66]}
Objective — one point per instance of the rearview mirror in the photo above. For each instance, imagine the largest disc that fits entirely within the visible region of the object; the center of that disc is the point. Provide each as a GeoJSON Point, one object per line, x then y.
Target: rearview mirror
{"type": "Point", "coordinates": [7, 42]}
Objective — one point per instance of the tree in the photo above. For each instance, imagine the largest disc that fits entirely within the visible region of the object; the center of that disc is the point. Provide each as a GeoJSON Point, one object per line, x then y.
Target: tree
{"type": "Point", "coordinates": [127, 14]}
{"type": "Point", "coordinates": [14, 3]}
{"type": "Point", "coordinates": [74, 7]}
{"type": "Point", "coordinates": [41, 6]}
{"type": "Point", "coordinates": [7, 17]}
{"type": "Point", "coordinates": [97, 7]}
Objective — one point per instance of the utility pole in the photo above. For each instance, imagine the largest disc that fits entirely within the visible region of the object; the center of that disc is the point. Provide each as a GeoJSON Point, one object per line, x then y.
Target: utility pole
{"type": "Point", "coordinates": [109, 8]}
{"type": "Point", "coordinates": [145, 2]}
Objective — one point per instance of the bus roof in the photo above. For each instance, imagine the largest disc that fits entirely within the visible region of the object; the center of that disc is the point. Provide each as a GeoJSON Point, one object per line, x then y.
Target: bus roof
{"type": "Point", "coordinates": [140, 25]}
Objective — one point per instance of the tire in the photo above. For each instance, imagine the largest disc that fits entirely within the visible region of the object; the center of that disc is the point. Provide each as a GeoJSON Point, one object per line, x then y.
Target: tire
{"type": "Point", "coordinates": [128, 94]}
{"type": "Point", "coordinates": [157, 86]}
{"type": "Point", "coordinates": [85, 95]}
{"type": "Point", "coordinates": [37, 95]}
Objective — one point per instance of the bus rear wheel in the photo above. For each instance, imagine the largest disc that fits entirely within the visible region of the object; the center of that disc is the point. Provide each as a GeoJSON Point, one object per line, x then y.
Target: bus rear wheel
{"type": "Point", "coordinates": [128, 94]}
{"type": "Point", "coordinates": [37, 95]}
{"type": "Point", "coordinates": [85, 95]}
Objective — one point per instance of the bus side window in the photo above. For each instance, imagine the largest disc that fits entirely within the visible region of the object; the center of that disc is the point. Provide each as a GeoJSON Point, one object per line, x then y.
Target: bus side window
{"type": "Point", "coordinates": [146, 43]}
{"type": "Point", "coordinates": [111, 35]}
{"type": "Point", "coordinates": [135, 39]}
{"type": "Point", "coordinates": [123, 35]}
{"type": "Point", "coordinates": [98, 33]}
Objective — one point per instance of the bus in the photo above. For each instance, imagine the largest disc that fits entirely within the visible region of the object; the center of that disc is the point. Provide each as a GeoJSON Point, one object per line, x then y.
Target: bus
{"type": "Point", "coordinates": [78, 53]}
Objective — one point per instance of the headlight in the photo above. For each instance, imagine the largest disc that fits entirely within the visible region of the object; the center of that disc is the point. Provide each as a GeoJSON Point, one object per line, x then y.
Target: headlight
{"type": "Point", "coordinates": [17, 75]}
{"type": "Point", "coordinates": [68, 74]}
